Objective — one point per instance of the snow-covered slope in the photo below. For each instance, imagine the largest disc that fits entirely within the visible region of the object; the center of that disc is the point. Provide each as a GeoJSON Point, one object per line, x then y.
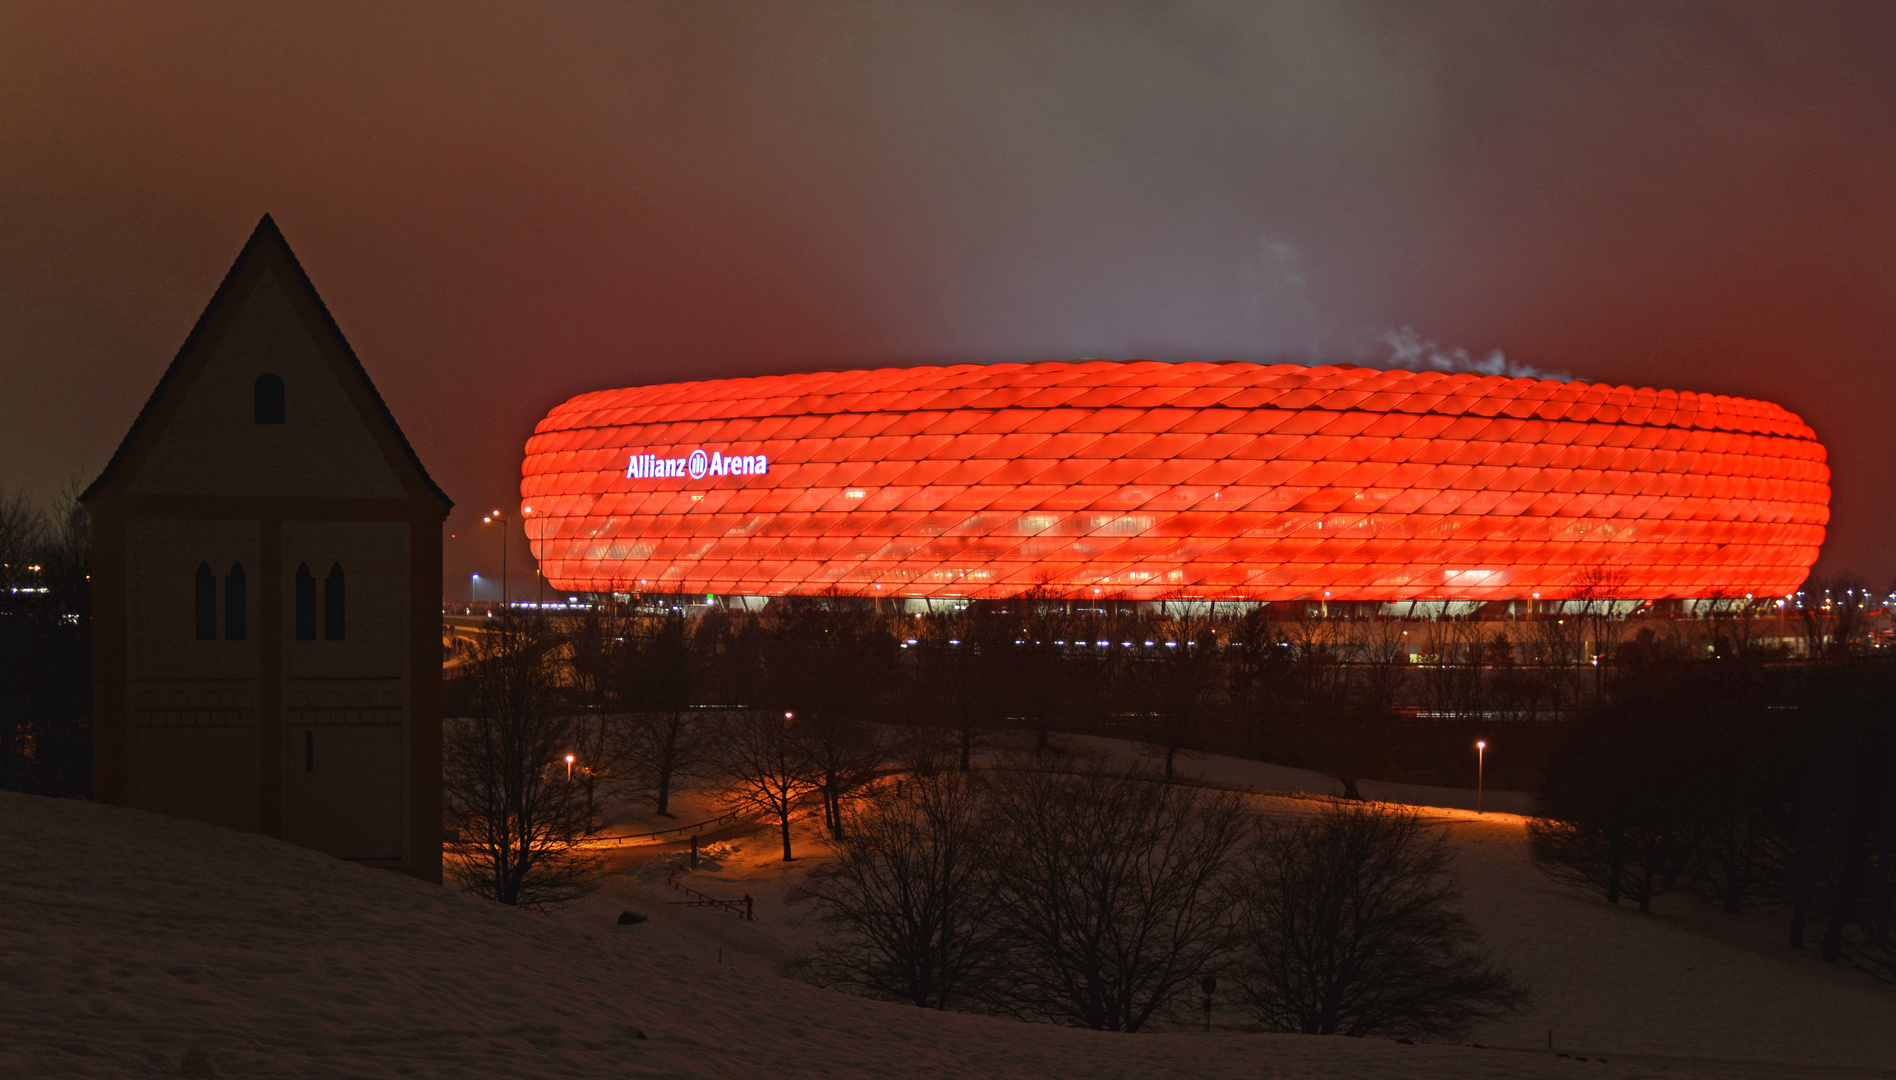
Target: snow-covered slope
{"type": "Point", "coordinates": [134, 945]}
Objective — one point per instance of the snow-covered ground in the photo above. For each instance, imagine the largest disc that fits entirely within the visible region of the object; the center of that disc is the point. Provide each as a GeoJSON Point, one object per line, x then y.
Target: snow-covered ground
{"type": "Point", "coordinates": [134, 945]}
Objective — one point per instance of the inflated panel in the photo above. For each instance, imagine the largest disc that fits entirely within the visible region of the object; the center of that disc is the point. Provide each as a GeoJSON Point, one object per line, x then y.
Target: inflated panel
{"type": "Point", "coordinates": [1151, 480]}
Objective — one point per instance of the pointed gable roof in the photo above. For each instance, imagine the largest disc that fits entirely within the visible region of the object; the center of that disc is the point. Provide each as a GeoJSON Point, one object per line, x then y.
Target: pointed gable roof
{"type": "Point", "coordinates": [267, 250]}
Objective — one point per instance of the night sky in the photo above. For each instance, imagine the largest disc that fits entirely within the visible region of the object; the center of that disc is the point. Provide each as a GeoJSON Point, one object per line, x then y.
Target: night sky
{"type": "Point", "coordinates": [505, 206]}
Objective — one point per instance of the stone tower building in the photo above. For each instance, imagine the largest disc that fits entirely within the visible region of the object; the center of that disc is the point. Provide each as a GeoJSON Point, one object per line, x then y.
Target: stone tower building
{"type": "Point", "coordinates": [266, 581]}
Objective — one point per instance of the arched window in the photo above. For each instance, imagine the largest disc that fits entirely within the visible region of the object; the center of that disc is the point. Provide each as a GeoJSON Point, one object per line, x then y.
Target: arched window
{"type": "Point", "coordinates": [269, 395]}
{"type": "Point", "coordinates": [234, 603]}
{"type": "Point", "coordinates": [332, 604]}
{"type": "Point", "coordinates": [206, 603]}
{"type": "Point", "coordinates": [305, 604]}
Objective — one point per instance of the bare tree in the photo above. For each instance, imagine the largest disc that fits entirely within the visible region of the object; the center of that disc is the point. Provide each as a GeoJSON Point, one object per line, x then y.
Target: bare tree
{"type": "Point", "coordinates": [1454, 683]}
{"type": "Point", "coordinates": [1832, 615]}
{"type": "Point", "coordinates": [921, 749]}
{"type": "Point", "coordinates": [668, 741]}
{"type": "Point", "coordinates": [1262, 684]}
{"type": "Point", "coordinates": [22, 531]}
{"type": "Point", "coordinates": [1599, 602]}
{"type": "Point", "coordinates": [1627, 824]}
{"type": "Point", "coordinates": [602, 654]}
{"type": "Point", "coordinates": [1603, 855]}
{"type": "Point", "coordinates": [845, 753]}
{"type": "Point", "coordinates": [1109, 890]}
{"type": "Point", "coordinates": [1180, 678]}
{"type": "Point", "coordinates": [1559, 647]}
{"type": "Point", "coordinates": [1344, 716]}
{"type": "Point", "coordinates": [1349, 926]}
{"type": "Point", "coordinates": [827, 660]}
{"type": "Point", "coordinates": [518, 815]}
{"type": "Point", "coordinates": [45, 647]}
{"type": "Point", "coordinates": [1037, 674]}
{"type": "Point", "coordinates": [1097, 676]}
{"type": "Point", "coordinates": [600, 648]}
{"type": "Point", "coordinates": [766, 756]}
{"type": "Point", "coordinates": [1732, 631]}
{"type": "Point", "coordinates": [1382, 667]}
{"type": "Point", "coordinates": [909, 895]}
{"type": "Point", "coordinates": [961, 662]}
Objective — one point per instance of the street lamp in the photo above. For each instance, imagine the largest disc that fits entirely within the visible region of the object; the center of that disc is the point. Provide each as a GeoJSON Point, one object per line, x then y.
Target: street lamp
{"type": "Point", "coordinates": [569, 766]}
{"type": "Point", "coordinates": [502, 518]}
{"type": "Point", "coordinates": [1481, 757]}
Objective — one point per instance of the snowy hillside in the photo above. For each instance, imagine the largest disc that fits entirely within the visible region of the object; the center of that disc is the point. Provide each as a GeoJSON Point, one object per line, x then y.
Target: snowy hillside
{"type": "Point", "coordinates": [136, 945]}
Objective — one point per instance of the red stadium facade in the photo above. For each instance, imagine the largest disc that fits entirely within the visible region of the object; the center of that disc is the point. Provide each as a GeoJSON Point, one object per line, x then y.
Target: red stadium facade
{"type": "Point", "coordinates": [1149, 480]}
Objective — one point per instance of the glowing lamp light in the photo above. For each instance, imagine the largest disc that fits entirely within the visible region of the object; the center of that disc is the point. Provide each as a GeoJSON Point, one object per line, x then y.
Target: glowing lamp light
{"type": "Point", "coordinates": [1481, 757]}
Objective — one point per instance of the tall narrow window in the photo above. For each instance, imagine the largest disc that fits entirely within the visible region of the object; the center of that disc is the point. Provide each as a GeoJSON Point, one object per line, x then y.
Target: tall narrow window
{"type": "Point", "coordinates": [305, 604]}
{"type": "Point", "coordinates": [332, 604]}
{"type": "Point", "coordinates": [206, 603]}
{"type": "Point", "coordinates": [268, 391]}
{"type": "Point", "coordinates": [234, 603]}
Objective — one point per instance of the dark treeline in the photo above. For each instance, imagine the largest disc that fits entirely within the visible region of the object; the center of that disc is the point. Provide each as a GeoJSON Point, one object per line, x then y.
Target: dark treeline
{"type": "Point", "coordinates": [1755, 786]}
{"type": "Point", "coordinates": [45, 649]}
{"type": "Point", "coordinates": [1332, 688]}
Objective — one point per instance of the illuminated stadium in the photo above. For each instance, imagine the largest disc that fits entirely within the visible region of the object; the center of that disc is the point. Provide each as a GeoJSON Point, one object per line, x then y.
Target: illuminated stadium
{"type": "Point", "coordinates": [1145, 480]}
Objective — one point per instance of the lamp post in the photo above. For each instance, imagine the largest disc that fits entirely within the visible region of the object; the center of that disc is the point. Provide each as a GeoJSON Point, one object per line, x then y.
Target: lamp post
{"type": "Point", "coordinates": [569, 767]}
{"type": "Point", "coordinates": [1481, 757]}
{"type": "Point", "coordinates": [502, 518]}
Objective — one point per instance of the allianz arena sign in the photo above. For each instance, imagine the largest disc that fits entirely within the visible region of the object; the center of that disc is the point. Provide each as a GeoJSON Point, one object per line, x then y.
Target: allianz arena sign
{"type": "Point", "coordinates": [696, 465]}
{"type": "Point", "coordinates": [1150, 480]}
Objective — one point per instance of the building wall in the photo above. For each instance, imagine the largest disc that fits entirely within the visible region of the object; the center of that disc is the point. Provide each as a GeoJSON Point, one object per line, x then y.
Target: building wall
{"type": "Point", "coordinates": [331, 744]}
{"type": "Point", "coordinates": [346, 702]}
{"type": "Point", "coordinates": [213, 444]}
{"type": "Point", "coordinates": [194, 704]}
{"type": "Point", "coordinates": [326, 743]}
